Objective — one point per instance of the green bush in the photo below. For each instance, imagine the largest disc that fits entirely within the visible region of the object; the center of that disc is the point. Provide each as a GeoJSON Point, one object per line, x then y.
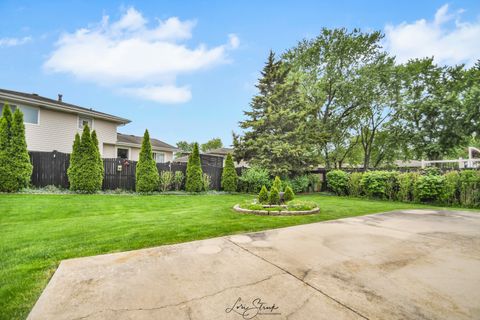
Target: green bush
{"type": "Point", "coordinates": [314, 182]}
{"type": "Point", "coordinates": [274, 197]}
{"type": "Point", "coordinates": [165, 180]}
{"type": "Point", "coordinates": [470, 188]}
{"type": "Point", "coordinates": [354, 187]}
{"type": "Point", "coordinates": [337, 181]}
{"type": "Point", "coordinates": [379, 184]}
{"type": "Point", "coordinates": [429, 188]}
{"type": "Point", "coordinates": [15, 166]}
{"type": "Point", "coordinates": [194, 181]}
{"type": "Point", "coordinates": [229, 175]}
{"type": "Point", "coordinates": [85, 173]}
{"type": "Point", "coordinates": [299, 184]}
{"type": "Point", "coordinates": [288, 195]}
{"type": "Point", "coordinates": [263, 195]}
{"type": "Point", "coordinates": [146, 172]}
{"type": "Point", "coordinates": [253, 179]}
{"type": "Point", "coordinates": [178, 180]}
{"type": "Point", "coordinates": [277, 183]}
{"type": "Point", "coordinates": [451, 190]}
{"type": "Point", "coordinates": [406, 184]}
{"type": "Point", "coordinates": [301, 205]}
{"type": "Point", "coordinates": [206, 182]}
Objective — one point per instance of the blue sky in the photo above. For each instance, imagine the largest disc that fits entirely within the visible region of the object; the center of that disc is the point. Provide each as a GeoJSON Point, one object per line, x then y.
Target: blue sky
{"type": "Point", "coordinates": [186, 69]}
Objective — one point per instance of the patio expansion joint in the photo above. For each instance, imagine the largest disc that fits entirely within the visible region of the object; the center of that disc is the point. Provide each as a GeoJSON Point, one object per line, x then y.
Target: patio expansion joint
{"type": "Point", "coordinates": [301, 279]}
{"type": "Point", "coordinates": [179, 303]}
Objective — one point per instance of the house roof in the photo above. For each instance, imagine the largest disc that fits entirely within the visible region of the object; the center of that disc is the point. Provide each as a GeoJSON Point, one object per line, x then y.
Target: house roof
{"type": "Point", "coordinates": [35, 99]}
{"type": "Point", "coordinates": [220, 151]}
{"type": "Point", "coordinates": [128, 139]}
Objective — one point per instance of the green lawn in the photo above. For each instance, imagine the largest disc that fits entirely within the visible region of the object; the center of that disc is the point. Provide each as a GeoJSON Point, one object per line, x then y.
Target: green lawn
{"type": "Point", "coordinates": [38, 231]}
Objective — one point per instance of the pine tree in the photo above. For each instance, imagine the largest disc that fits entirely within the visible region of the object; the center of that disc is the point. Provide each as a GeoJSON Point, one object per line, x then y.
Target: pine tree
{"type": "Point", "coordinates": [7, 179]}
{"type": "Point", "coordinates": [74, 160]}
{"type": "Point", "coordinates": [148, 178]}
{"type": "Point", "coordinates": [98, 156]}
{"type": "Point", "coordinates": [22, 168]}
{"type": "Point", "coordinates": [263, 195]}
{"type": "Point", "coordinates": [275, 135]}
{"type": "Point", "coordinates": [194, 171]}
{"type": "Point", "coordinates": [277, 183]}
{"type": "Point", "coordinates": [274, 197]}
{"type": "Point", "coordinates": [83, 173]}
{"type": "Point", "coordinates": [288, 195]}
{"type": "Point", "coordinates": [229, 175]}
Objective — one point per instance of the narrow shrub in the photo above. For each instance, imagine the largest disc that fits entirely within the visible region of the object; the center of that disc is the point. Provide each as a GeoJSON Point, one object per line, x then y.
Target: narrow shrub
{"type": "Point", "coordinates": [146, 172]}
{"type": "Point", "coordinates": [7, 178]}
{"type": "Point", "coordinates": [429, 188]}
{"type": "Point", "coordinates": [451, 190]}
{"type": "Point", "coordinates": [206, 182]}
{"type": "Point", "coordinates": [406, 183]}
{"type": "Point", "coordinates": [166, 179]}
{"type": "Point", "coordinates": [178, 180]}
{"type": "Point", "coordinates": [354, 187]}
{"type": "Point", "coordinates": [194, 181]}
{"type": "Point", "coordinates": [84, 172]}
{"type": "Point", "coordinates": [229, 175]}
{"type": "Point", "coordinates": [337, 181]}
{"type": "Point", "coordinates": [263, 195]}
{"type": "Point", "coordinates": [274, 197]}
{"type": "Point", "coordinates": [470, 188]}
{"type": "Point", "coordinates": [277, 183]}
{"type": "Point", "coordinates": [253, 179]}
{"type": "Point", "coordinates": [98, 156]}
{"type": "Point", "coordinates": [288, 195]}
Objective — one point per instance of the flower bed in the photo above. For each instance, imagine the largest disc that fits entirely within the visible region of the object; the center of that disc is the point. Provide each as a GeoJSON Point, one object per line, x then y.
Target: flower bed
{"type": "Point", "coordinates": [292, 208]}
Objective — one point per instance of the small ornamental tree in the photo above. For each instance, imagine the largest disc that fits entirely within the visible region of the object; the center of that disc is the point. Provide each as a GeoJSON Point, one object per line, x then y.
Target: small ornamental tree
{"type": "Point", "coordinates": [74, 162]}
{"type": "Point", "coordinates": [274, 197]}
{"type": "Point", "coordinates": [98, 157]}
{"type": "Point", "coordinates": [22, 168]}
{"type": "Point", "coordinates": [84, 173]}
{"type": "Point", "coordinates": [229, 175]}
{"type": "Point", "coordinates": [194, 181]}
{"type": "Point", "coordinates": [288, 195]}
{"type": "Point", "coordinates": [7, 179]}
{"type": "Point", "coordinates": [147, 172]}
{"type": "Point", "coordinates": [277, 183]}
{"type": "Point", "coordinates": [263, 195]}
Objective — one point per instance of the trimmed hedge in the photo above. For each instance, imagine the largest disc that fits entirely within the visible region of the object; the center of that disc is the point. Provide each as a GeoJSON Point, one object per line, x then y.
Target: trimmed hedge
{"type": "Point", "coordinates": [288, 195]}
{"type": "Point", "coordinates": [274, 197]}
{"type": "Point", "coordinates": [452, 188]}
{"type": "Point", "coordinates": [195, 180]}
{"type": "Point", "coordinates": [263, 195]}
{"type": "Point", "coordinates": [147, 175]}
{"type": "Point", "coordinates": [229, 175]}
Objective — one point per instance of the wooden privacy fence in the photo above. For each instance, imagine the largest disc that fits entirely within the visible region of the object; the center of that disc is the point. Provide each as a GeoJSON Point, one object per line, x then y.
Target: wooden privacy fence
{"type": "Point", "coordinates": [50, 168]}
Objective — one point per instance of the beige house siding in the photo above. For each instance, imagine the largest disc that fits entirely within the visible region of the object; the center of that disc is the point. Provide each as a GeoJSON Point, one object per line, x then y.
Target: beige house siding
{"type": "Point", "coordinates": [109, 151]}
{"type": "Point", "coordinates": [56, 131]}
{"type": "Point", "coordinates": [134, 153]}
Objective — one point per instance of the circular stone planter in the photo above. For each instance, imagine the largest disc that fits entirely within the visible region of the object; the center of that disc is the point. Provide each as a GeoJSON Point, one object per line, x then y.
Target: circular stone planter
{"type": "Point", "coordinates": [275, 213]}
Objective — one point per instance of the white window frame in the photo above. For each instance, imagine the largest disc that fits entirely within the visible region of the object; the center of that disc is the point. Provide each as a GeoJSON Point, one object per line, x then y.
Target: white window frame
{"type": "Point", "coordinates": [16, 106]}
{"type": "Point", "coordinates": [84, 118]}
{"type": "Point", "coordinates": [159, 152]}
{"type": "Point", "coordinates": [125, 148]}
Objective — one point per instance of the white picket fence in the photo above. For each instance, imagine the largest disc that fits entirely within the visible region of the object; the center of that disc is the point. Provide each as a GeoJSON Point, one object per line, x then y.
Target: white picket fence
{"type": "Point", "coordinates": [470, 163]}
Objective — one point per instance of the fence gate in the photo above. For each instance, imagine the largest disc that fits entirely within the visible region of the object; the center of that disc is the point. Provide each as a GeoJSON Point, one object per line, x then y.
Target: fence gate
{"type": "Point", "coordinates": [49, 168]}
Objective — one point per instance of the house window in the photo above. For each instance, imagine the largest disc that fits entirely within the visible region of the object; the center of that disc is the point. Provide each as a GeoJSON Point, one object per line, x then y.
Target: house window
{"type": "Point", "coordinates": [82, 122]}
{"type": "Point", "coordinates": [122, 153]}
{"type": "Point", "coordinates": [159, 157]}
{"type": "Point", "coordinates": [30, 114]}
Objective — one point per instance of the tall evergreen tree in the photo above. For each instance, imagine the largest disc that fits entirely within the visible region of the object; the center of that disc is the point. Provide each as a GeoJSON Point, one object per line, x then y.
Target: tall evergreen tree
{"type": "Point", "coordinates": [194, 172]}
{"type": "Point", "coordinates": [229, 175]}
{"type": "Point", "coordinates": [275, 136]}
{"type": "Point", "coordinates": [83, 173]}
{"type": "Point", "coordinates": [7, 179]}
{"type": "Point", "coordinates": [74, 162]}
{"type": "Point", "coordinates": [98, 156]}
{"type": "Point", "coordinates": [22, 168]}
{"type": "Point", "coordinates": [147, 175]}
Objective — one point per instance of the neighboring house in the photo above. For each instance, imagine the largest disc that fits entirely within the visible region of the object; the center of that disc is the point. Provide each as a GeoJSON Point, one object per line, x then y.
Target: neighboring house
{"type": "Point", "coordinates": [52, 124]}
{"type": "Point", "coordinates": [215, 153]}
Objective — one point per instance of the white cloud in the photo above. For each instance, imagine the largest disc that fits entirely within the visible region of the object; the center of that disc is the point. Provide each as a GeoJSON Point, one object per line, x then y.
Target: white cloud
{"type": "Point", "coordinates": [448, 39]}
{"type": "Point", "coordinates": [12, 42]}
{"type": "Point", "coordinates": [136, 59]}
{"type": "Point", "coordinates": [162, 94]}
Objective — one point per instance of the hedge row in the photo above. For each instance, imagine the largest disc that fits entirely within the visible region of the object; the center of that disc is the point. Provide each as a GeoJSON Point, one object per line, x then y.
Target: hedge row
{"type": "Point", "coordinates": [430, 186]}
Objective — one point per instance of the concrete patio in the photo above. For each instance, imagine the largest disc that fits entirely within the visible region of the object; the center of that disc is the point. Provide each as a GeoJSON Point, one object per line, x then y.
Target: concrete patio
{"type": "Point", "coordinates": [415, 264]}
